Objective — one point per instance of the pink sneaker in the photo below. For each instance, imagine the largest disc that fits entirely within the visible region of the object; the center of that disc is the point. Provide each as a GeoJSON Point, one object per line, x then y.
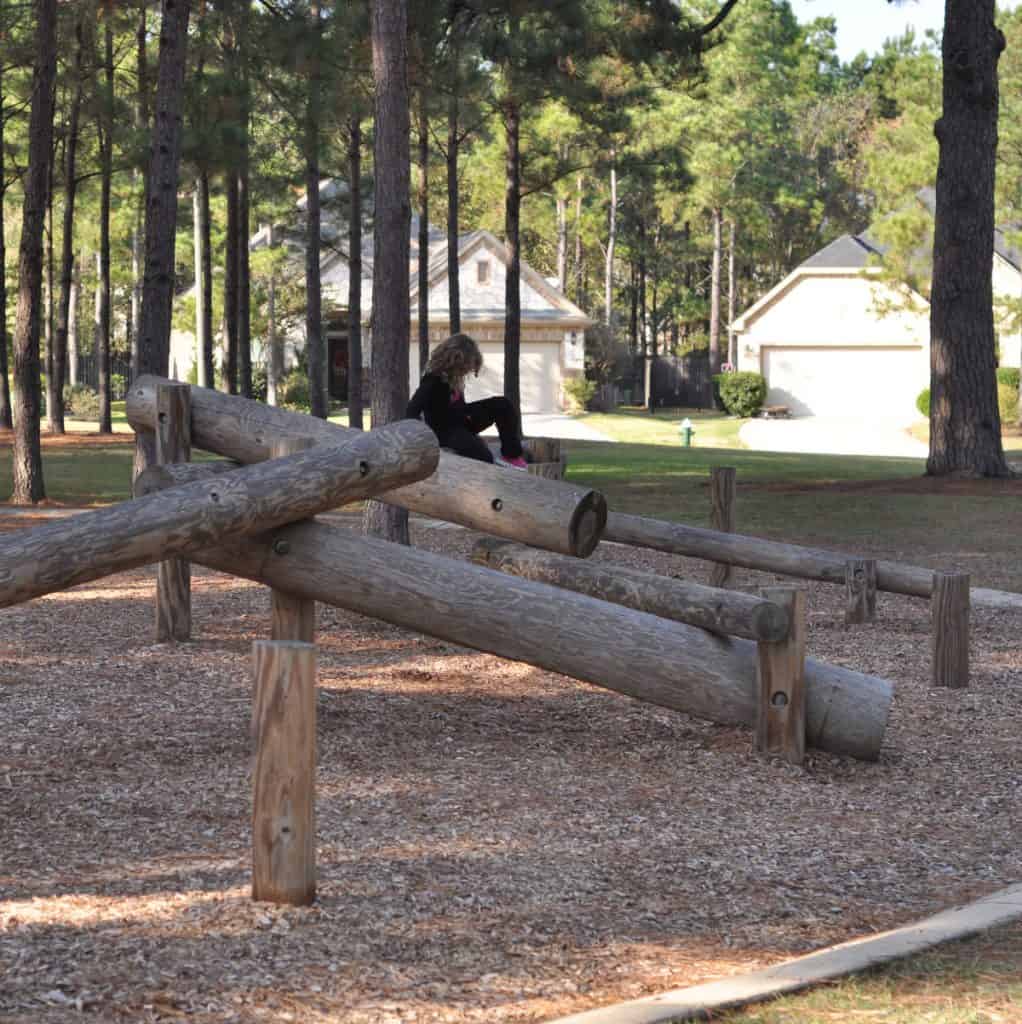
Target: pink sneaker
{"type": "Point", "coordinates": [518, 462]}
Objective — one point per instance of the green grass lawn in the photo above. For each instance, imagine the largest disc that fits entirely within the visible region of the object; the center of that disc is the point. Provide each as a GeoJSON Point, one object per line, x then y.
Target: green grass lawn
{"type": "Point", "coordinates": [978, 981]}
{"type": "Point", "coordinates": [636, 426]}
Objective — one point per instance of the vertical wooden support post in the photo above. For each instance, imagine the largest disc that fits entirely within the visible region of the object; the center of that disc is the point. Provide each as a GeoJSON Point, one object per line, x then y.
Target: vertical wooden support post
{"type": "Point", "coordinates": [284, 772]}
{"type": "Point", "coordinates": [722, 496]}
{"type": "Point", "coordinates": [950, 611]}
{"type": "Point", "coordinates": [860, 590]}
{"type": "Point", "coordinates": [173, 577]}
{"type": "Point", "coordinates": [291, 618]}
{"type": "Point", "coordinates": [781, 710]}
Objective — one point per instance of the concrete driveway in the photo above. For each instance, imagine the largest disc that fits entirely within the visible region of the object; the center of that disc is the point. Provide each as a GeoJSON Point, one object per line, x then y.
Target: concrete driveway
{"type": "Point", "coordinates": [555, 425]}
{"type": "Point", "coordinates": [826, 435]}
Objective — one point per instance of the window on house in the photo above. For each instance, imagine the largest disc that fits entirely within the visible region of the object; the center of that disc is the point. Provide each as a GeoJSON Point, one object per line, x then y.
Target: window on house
{"type": "Point", "coordinates": [483, 271]}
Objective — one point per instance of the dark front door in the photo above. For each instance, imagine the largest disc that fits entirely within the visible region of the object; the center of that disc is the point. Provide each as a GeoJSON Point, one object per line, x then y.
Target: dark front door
{"type": "Point", "coordinates": [338, 348]}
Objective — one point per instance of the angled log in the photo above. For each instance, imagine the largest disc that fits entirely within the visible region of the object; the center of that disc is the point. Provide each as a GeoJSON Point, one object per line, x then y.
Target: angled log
{"type": "Point", "coordinates": [145, 530]}
{"type": "Point", "coordinates": [725, 612]}
{"type": "Point", "coordinates": [641, 655]}
{"type": "Point", "coordinates": [519, 506]}
{"type": "Point", "coordinates": [159, 478]}
{"type": "Point", "coordinates": [786, 559]}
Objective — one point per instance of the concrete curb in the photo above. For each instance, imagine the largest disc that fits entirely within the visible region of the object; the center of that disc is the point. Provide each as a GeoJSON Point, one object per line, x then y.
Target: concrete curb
{"type": "Point", "coordinates": [702, 1001]}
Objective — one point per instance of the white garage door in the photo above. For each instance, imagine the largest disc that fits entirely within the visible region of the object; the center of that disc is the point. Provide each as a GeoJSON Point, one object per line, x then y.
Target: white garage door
{"type": "Point", "coordinates": [539, 375]}
{"type": "Point", "coordinates": [882, 383]}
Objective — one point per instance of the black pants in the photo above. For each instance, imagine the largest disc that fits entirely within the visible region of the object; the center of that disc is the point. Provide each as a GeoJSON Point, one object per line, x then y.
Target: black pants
{"type": "Point", "coordinates": [497, 411]}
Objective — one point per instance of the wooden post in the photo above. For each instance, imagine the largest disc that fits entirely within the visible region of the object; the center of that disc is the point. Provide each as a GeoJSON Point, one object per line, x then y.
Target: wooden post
{"type": "Point", "coordinates": [860, 590]}
{"type": "Point", "coordinates": [291, 618]}
{"type": "Point", "coordinates": [284, 772]}
{"type": "Point", "coordinates": [173, 577]}
{"type": "Point", "coordinates": [950, 612]}
{"type": "Point", "coordinates": [781, 711]}
{"type": "Point", "coordinates": [722, 496]}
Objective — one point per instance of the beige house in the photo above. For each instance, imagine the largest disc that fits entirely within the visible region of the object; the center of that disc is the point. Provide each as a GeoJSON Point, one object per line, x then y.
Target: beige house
{"type": "Point", "coordinates": [552, 332]}
{"type": "Point", "coordinates": [834, 338]}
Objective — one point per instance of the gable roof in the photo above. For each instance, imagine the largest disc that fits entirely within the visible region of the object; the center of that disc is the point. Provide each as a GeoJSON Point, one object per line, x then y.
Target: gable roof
{"type": "Point", "coordinates": [845, 251]}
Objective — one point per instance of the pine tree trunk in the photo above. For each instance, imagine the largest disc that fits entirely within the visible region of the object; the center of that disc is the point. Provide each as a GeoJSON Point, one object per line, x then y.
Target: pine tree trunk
{"type": "Point", "coordinates": [139, 177]}
{"type": "Point", "coordinates": [67, 256]}
{"type": "Point", "coordinates": [732, 295]}
{"type": "Point", "coordinates": [274, 344]}
{"type": "Point", "coordinates": [715, 296]}
{"type": "Point", "coordinates": [27, 462]}
{"type": "Point", "coordinates": [965, 425]}
{"type": "Point", "coordinates": [49, 302]}
{"type": "Point", "coordinates": [608, 273]}
{"type": "Point", "coordinates": [231, 279]}
{"type": "Point", "coordinates": [106, 180]}
{"type": "Point", "coordinates": [633, 318]}
{"type": "Point", "coordinates": [355, 397]}
{"type": "Point", "coordinates": [579, 298]}
{"type": "Point", "coordinates": [244, 217]}
{"type": "Point", "coordinates": [200, 285]}
{"type": "Point", "coordinates": [562, 242]}
{"type": "Point", "coordinates": [161, 207]}
{"type": "Point", "coordinates": [423, 261]}
{"type": "Point", "coordinates": [206, 352]}
{"type": "Point", "coordinates": [6, 415]}
{"type": "Point", "coordinates": [72, 324]}
{"type": "Point", "coordinates": [391, 319]}
{"type": "Point", "coordinates": [512, 223]}
{"type": "Point", "coordinates": [313, 288]}
{"type": "Point", "coordinates": [453, 216]}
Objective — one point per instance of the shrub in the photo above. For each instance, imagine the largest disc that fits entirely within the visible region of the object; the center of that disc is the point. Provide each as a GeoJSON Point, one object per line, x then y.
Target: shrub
{"type": "Point", "coordinates": [1008, 376]}
{"type": "Point", "coordinates": [743, 394]}
{"type": "Point", "coordinates": [81, 401]}
{"type": "Point", "coordinates": [580, 391]}
{"type": "Point", "coordinates": [923, 402]}
{"type": "Point", "coordinates": [295, 393]}
{"type": "Point", "coordinates": [118, 386]}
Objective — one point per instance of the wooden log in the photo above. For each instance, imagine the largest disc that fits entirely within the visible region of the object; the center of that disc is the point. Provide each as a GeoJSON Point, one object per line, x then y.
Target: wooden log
{"type": "Point", "coordinates": [950, 613]}
{"type": "Point", "coordinates": [786, 559]}
{"type": "Point", "coordinates": [631, 652]}
{"type": "Point", "coordinates": [291, 618]}
{"type": "Point", "coordinates": [108, 540]}
{"type": "Point", "coordinates": [860, 590]}
{"type": "Point", "coordinates": [544, 449]}
{"type": "Point", "coordinates": [722, 499]}
{"type": "Point", "coordinates": [173, 577]}
{"type": "Point", "coordinates": [544, 513]}
{"type": "Point", "coordinates": [547, 470]}
{"type": "Point", "coordinates": [781, 709]}
{"type": "Point", "coordinates": [159, 478]}
{"type": "Point", "coordinates": [724, 612]}
{"type": "Point", "coordinates": [284, 772]}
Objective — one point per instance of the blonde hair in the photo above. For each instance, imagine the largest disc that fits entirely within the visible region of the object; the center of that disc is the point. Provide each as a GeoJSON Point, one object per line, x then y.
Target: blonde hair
{"type": "Point", "coordinates": [454, 359]}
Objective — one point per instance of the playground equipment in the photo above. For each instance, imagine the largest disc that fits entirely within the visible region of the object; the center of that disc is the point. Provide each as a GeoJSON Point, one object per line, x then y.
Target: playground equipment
{"type": "Point", "coordinates": [544, 513]}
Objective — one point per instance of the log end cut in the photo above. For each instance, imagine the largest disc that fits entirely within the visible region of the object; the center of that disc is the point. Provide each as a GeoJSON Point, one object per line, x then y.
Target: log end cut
{"type": "Point", "coordinates": [588, 523]}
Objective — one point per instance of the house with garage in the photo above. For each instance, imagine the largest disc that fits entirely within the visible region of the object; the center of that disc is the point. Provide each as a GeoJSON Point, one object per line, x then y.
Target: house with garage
{"type": "Point", "coordinates": [552, 332]}
{"type": "Point", "coordinates": [837, 337]}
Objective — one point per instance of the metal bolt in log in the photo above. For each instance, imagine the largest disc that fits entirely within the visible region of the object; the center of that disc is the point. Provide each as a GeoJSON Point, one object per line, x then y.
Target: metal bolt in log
{"type": "Point", "coordinates": [720, 611]}
{"type": "Point", "coordinates": [284, 772]}
{"type": "Point", "coordinates": [173, 577]}
{"type": "Point", "coordinates": [722, 499]}
{"type": "Point", "coordinates": [860, 590]}
{"type": "Point", "coordinates": [544, 513]}
{"type": "Point", "coordinates": [294, 618]}
{"type": "Point", "coordinates": [950, 614]}
{"type": "Point", "coordinates": [781, 710]}
{"type": "Point", "coordinates": [99, 543]}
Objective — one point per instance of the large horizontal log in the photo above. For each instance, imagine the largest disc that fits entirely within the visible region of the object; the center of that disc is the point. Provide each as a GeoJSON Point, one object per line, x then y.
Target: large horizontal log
{"type": "Point", "coordinates": [176, 474]}
{"type": "Point", "coordinates": [787, 559]}
{"type": "Point", "coordinates": [631, 652]}
{"type": "Point", "coordinates": [727, 612]}
{"type": "Point", "coordinates": [499, 501]}
{"type": "Point", "coordinates": [174, 522]}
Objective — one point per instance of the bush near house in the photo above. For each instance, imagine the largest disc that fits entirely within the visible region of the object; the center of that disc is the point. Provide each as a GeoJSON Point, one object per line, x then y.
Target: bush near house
{"type": "Point", "coordinates": [296, 394]}
{"type": "Point", "coordinates": [1007, 393]}
{"type": "Point", "coordinates": [81, 402]}
{"type": "Point", "coordinates": [580, 391]}
{"type": "Point", "coordinates": [743, 393]}
{"type": "Point", "coordinates": [923, 402]}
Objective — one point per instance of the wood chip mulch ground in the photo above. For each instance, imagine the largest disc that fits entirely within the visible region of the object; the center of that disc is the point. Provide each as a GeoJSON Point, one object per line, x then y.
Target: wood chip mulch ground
{"type": "Point", "coordinates": [496, 843]}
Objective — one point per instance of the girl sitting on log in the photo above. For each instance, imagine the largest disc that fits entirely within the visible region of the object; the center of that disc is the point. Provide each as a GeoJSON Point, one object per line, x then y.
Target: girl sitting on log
{"type": "Point", "coordinates": [440, 400]}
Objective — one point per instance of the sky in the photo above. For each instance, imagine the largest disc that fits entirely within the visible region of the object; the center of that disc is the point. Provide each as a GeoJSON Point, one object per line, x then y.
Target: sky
{"type": "Point", "coordinates": [865, 24]}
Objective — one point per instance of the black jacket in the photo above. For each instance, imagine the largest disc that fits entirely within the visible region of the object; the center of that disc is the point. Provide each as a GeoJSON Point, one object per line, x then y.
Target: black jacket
{"type": "Point", "coordinates": [432, 401]}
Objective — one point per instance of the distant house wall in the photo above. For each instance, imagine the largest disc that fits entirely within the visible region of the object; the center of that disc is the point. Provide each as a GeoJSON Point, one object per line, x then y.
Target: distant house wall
{"type": "Point", "coordinates": [1007, 284]}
